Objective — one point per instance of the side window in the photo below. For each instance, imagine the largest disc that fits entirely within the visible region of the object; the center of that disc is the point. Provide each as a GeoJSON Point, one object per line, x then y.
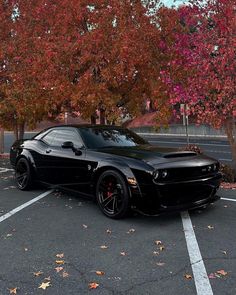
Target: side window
{"type": "Point", "coordinates": [66, 135]}
{"type": "Point", "coordinates": [48, 138]}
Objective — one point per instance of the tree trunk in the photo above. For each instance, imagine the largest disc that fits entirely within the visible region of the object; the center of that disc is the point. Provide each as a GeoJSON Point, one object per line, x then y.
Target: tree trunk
{"type": "Point", "coordinates": [230, 129]}
{"type": "Point", "coordinates": [1, 140]}
{"type": "Point", "coordinates": [93, 119]}
{"type": "Point", "coordinates": [21, 130]}
{"type": "Point", "coordinates": [102, 117]}
{"type": "Point", "coordinates": [16, 131]}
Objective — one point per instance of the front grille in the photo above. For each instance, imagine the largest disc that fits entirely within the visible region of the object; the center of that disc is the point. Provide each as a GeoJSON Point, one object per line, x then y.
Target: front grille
{"type": "Point", "coordinates": [176, 195]}
{"type": "Point", "coordinates": [186, 173]}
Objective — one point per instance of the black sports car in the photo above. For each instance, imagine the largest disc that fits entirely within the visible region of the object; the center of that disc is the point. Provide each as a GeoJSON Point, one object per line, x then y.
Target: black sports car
{"type": "Point", "coordinates": [117, 167]}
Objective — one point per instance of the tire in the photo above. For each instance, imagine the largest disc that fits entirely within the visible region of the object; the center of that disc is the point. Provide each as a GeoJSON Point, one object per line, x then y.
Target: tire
{"type": "Point", "coordinates": [23, 175]}
{"type": "Point", "coordinates": [112, 194]}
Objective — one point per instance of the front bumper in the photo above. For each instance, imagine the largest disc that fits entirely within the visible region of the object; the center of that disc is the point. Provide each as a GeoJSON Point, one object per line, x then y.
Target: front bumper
{"type": "Point", "coordinates": [177, 196]}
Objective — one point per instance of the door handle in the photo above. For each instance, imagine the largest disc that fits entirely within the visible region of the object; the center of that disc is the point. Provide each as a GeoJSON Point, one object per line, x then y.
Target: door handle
{"type": "Point", "coordinates": [48, 151]}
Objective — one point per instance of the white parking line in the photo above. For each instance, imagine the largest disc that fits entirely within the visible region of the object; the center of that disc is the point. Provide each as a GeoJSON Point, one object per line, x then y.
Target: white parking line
{"type": "Point", "coordinates": [227, 199]}
{"type": "Point", "coordinates": [2, 170]}
{"type": "Point", "coordinates": [14, 211]}
{"type": "Point", "coordinates": [201, 279]}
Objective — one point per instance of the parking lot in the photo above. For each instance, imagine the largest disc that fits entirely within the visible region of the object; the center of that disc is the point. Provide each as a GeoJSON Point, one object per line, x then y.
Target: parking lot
{"type": "Point", "coordinates": [57, 243]}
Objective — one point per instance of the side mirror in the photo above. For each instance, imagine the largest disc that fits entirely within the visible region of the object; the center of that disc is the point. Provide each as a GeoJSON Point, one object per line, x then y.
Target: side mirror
{"type": "Point", "coordinates": [67, 145]}
{"type": "Point", "coordinates": [70, 145]}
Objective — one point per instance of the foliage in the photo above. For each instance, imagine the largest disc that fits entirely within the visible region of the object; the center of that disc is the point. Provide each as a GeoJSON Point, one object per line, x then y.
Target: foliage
{"type": "Point", "coordinates": [206, 52]}
{"type": "Point", "coordinates": [192, 148]}
{"type": "Point", "coordinates": [228, 173]}
{"type": "Point", "coordinates": [83, 56]}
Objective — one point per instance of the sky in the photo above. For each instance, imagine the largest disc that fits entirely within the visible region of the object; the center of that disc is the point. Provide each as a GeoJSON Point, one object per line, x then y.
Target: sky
{"type": "Point", "coordinates": [172, 2]}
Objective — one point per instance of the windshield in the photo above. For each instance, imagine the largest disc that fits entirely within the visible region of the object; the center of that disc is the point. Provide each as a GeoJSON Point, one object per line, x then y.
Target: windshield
{"type": "Point", "coordinates": [110, 137]}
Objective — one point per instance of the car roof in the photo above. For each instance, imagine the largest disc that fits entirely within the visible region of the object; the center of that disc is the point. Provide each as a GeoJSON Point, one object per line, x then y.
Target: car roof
{"type": "Point", "coordinates": [85, 126]}
{"type": "Point", "coordinates": [44, 131]}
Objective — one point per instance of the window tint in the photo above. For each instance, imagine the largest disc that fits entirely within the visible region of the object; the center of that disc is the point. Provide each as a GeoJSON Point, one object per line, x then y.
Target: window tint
{"type": "Point", "coordinates": [58, 137]}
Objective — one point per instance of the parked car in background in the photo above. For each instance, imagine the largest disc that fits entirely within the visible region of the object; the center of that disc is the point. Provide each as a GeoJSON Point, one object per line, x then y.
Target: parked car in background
{"type": "Point", "coordinates": [116, 167]}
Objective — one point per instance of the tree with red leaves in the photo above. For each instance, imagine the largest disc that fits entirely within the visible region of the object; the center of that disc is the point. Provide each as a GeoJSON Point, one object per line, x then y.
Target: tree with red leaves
{"type": "Point", "coordinates": [74, 55]}
{"type": "Point", "coordinates": [206, 51]}
{"type": "Point", "coordinates": [23, 98]}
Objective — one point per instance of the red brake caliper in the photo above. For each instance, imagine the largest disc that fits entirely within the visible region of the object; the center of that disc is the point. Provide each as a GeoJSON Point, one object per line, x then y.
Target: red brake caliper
{"type": "Point", "coordinates": [109, 187]}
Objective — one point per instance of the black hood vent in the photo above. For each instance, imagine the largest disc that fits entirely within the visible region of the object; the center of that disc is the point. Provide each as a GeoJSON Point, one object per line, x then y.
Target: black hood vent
{"type": "Point", "coordinates": [180, 154]}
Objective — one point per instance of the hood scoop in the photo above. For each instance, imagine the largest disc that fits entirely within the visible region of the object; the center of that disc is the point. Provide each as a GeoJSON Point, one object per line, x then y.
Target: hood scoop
{"type": "Point", "coordinates": [180, 154]}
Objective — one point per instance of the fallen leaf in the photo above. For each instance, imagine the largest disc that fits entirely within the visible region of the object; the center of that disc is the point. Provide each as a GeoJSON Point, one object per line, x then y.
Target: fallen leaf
{"type": "Point", "coordinates": [211, 276]}
{"type": "Point", "coordinates": [158, 243]}
{"type": "Point", "coordinates": [160, 263]}
{"type": "Point", "coordinates": [13, 291]}
{"type": "Point", "coordinates": [123, 253]}
{"type": "Point", "coordinates": [103, 247]}
{"type": "Point", "coordinates": [108, 231]}
{"type": "Point", "coordinates": [93, 285]}
{"type": "Point", "coordinates": [47, 279]}
{"type": "Point", "coordinates": [38, 273]}
{"type": "Point", "coordinates": [130, 231]}
{"type": "Point", "coordinates": [58, 269]}
{"type": "Point", "coordinates": [224, 252]}
{"type": "Point", "coordinates": [222, 272]}
{"type": "Point", "coordinates": [155, 252]}
{"type": "Point", "coordinates": [210, 227]}
{"type": "Point", "coordinates": [85, 226]}
{"type": "Point", "coordinates": [65, 274]}
{"type": "Point", "coordinates": [44, 286]}
{"type": "Point", "coordinates": [161, 248]}
{"type": "Point", "coordinates": [61, 255]}
{"type": "Point", "coordinates": [60, 261]}
{"type": "Point", "coordinates": [100, 273]}
{"type": "Point", "coordinates": [188, 277]}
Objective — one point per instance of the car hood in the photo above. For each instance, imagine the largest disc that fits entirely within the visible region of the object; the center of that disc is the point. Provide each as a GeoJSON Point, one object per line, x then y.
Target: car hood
{"type": "Point", "coordinates": [153, 155]}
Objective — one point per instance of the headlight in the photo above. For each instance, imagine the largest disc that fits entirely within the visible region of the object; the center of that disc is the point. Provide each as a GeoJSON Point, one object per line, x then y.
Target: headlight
{"type": "Point", "coordinates": [156, 174]}
{"type": "Point", "coordinates": [215, 167]}
{"type": "Point", "coordinates": [164, 174]}
{"type": "Point", "coordinates": [160, 174]}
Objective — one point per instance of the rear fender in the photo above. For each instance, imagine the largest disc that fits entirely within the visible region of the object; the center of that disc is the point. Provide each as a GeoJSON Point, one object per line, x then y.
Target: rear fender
{"type": "Point", "coordinates": [27, 155]}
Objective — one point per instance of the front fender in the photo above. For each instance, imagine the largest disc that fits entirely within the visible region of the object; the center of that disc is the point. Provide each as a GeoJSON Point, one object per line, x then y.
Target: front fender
{"type": "Point", "coordinates": [122, 168]}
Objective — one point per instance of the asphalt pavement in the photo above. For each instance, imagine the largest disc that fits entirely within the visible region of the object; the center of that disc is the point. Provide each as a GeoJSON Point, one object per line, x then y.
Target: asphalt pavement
{"type": "Point", "coordinates": [64, 243]}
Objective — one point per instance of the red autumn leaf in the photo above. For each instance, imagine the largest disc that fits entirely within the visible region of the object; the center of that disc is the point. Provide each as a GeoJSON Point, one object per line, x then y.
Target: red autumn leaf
{"type": "Point", "coordinates": [93, 285]}
{"type": "Point", "coordinates": [100, 272]}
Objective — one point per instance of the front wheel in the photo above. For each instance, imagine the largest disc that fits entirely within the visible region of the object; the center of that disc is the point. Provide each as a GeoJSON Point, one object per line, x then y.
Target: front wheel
{"type": "Point", "coordinates": [23, 175]}
{"type": "Point", "coordinates": [112, 194]}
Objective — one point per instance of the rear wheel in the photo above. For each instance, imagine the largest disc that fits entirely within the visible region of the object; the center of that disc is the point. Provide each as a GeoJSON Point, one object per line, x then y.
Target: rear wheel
{"type": "Point", "coordinates": [112, 194]}
{"type": "Point", "coordinates": [23, 175]}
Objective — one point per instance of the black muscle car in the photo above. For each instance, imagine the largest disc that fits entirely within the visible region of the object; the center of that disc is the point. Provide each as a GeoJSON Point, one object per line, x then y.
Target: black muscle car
{"type": "Point", "coordinates": [118, 168]}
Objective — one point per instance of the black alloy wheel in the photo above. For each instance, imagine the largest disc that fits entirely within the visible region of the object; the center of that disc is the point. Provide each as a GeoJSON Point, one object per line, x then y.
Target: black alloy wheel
{"type": "Point", "coordinates": [23, 175]}
{"type": "Point", "coordinates": [112, 194]}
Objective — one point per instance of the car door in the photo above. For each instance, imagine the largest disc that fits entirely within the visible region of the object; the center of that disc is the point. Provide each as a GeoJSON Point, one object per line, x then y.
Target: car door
{"type": "Point", "coordinates": [60, 166]}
